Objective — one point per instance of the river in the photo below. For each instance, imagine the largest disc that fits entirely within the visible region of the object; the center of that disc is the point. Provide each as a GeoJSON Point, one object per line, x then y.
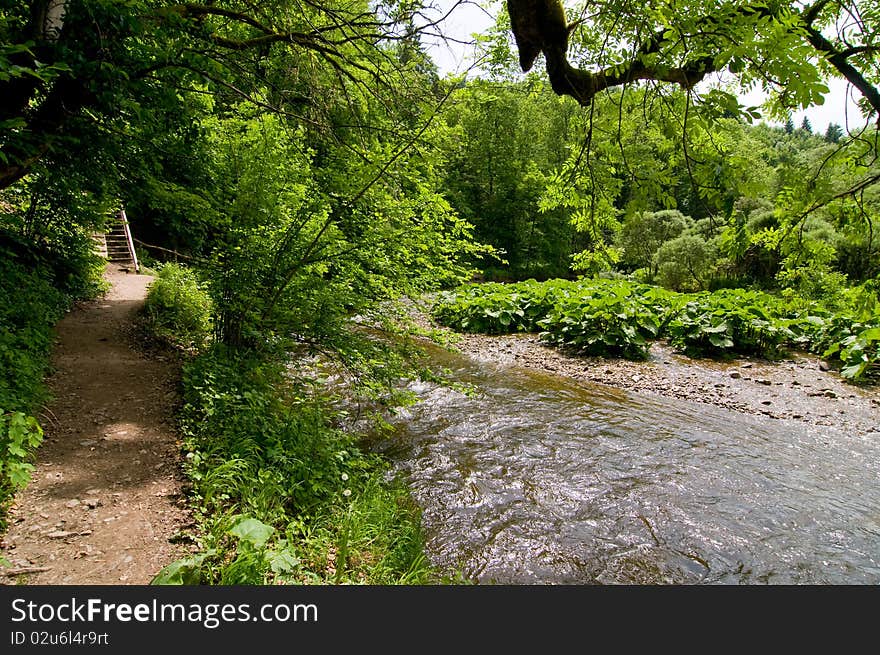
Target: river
{"type": "Point", "coordinates": [538, 479]}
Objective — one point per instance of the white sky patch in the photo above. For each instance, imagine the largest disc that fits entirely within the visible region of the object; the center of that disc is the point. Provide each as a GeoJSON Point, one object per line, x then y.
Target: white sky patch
{"type": "Point", "coordinates": [465, 18]}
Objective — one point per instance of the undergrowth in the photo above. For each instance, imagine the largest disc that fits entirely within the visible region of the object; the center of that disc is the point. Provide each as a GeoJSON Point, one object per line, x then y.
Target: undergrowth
{"type": "Point", "coordinates": [36, 289]}
{"type": "Point", "coordinates": [279, 495]}
{"type": "Point", "coordinates": [619, 318]}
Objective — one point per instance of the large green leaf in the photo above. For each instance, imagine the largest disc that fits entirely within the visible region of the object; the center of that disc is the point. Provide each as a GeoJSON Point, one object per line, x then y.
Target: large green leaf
{"type": "Point", "coordinates": [252, 531]}
{"type": "Point", "coordinates": [186, 571]}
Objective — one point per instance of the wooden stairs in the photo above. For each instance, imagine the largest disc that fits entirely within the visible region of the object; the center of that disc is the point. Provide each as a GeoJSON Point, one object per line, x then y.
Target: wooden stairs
{"type": "Point", "coordinates": [117, 245]}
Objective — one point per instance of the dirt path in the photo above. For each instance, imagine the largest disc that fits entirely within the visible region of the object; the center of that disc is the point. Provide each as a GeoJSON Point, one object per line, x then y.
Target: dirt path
{"type": "Point", "coordinates": [106, 494]}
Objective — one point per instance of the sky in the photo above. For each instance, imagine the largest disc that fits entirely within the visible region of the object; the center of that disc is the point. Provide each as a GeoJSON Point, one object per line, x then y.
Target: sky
{"type": "Point", "coordinates": [468, 18]}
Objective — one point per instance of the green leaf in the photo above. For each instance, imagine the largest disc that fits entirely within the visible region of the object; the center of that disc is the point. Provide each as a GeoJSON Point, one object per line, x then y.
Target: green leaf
{"type": "Point", "coordinates": [720, 341]}
{"type": "Point", "coordinates": [252, 531]}
{"type": "Point", "coordinates": [186, 571]}
{"type": "Point", "coordinates": [854, 372]}
{"type": "Point", "coordinates": [283, 562]}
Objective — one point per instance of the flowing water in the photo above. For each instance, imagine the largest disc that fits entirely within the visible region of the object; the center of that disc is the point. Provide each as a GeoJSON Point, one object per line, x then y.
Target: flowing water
{"type": "Point", "coordinates": [541, 480]}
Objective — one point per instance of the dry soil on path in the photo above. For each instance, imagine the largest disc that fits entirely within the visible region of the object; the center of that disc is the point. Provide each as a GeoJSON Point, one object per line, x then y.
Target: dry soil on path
{"type": "Point", "coordinates": [105, 498]}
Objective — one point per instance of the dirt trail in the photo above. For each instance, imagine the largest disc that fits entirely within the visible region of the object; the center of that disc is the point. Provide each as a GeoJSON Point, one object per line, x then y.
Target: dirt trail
{"type": "Point", "coordinates": [106, 494]}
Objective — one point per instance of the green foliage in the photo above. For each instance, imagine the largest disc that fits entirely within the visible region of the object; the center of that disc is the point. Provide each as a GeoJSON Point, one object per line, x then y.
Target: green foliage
{"type": "Point", "coordinates": [20, 435]}
{"type": "Point", "coordinates": [501, 148]}
{"type": "Point", "coordinates": [281, 495]}
{"type": "Point", "coordinates": [859, 352]}
{"type": "Point", "coordinates": [494, 308]}
{"type": "Point", "coordinates": [834, 133]}
{"type": "Point", "coordinates": [617, 318]}
{"type": "Point", "coordinates": [643, 233]}
{"type": "Point", "coordinates": [177, 309]}
{"type": "Point", "coordinates": [730, 321]}
{"type": "Point", "coordinates": [684, 263]}
{"type": "Point", "coordinates": [302, 245]}
{"type": "Point", "coordinates": [611, 319]}
{"type": "Point", "coordinates": [851, 336]}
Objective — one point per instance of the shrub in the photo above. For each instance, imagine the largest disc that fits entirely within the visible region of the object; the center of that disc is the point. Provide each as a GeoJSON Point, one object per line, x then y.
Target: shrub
{"type": "Point", "coordinates": [177, 310]}
{"type": "Point", "coordinates": [610, 318]}
{"type": "Point", "coordinates": [279, 492]}
{"type": "Point", "coordinates": [618, 318]}
{"type": "Point", "coordinates": [684, 263]}
{"type": "Point", "coordinates": [728, 321]}
{"type": "Point", "coordinates": [643, 233]}
{"type": "Point", "coordinates": [495, 308]}
{"type": "Point", "coordinates": [854, 343]}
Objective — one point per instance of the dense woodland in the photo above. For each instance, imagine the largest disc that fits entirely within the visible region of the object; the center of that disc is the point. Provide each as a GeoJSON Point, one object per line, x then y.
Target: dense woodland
{"type": "Point", "coordinates": [296, 172]}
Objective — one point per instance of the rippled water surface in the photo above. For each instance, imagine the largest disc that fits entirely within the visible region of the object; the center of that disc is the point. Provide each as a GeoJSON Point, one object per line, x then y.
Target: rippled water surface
{"type": "Point", "coordinates": [538, 479]}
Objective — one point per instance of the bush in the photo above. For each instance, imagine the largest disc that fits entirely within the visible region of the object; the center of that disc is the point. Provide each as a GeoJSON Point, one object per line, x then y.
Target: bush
{"type": "Point", "coordinates": [855, 343]}
{"type": "Point", "coordinates": [495, 308]}
{"type": "Point", "coordinates": [644, 233]}
{"type": "Point", "coordinates": [609, 318]}
{"type": "Point", "coordinates": [281, 495]}
{"type": "Point", "coordinates": [684, 263]}
{"type": "Point", "coordinates": [177, 310]}
{"type": "Point", "coordinates": [618, 318]}
{"type": "Point", "coordinates": [731, 321]}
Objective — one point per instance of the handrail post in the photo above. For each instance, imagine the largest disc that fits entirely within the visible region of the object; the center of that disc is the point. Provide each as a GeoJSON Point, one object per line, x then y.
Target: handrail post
{"type": "Point", "coordinates": [124, 218]}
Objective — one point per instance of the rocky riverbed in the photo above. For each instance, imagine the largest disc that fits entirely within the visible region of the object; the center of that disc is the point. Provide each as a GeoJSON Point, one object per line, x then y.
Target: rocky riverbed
{"type": "Point", "coordinates": [800, 388]}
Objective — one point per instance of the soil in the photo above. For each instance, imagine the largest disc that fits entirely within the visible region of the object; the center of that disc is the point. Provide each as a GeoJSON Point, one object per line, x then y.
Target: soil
{"type": "Point", "coordinates": [801, 388]}
{"type": "Point", "coordinates": [105, 501]}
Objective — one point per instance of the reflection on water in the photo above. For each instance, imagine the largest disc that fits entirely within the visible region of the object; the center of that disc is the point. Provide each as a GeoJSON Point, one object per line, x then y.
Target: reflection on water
{"type": "Point", "coordinates": [538, 479]}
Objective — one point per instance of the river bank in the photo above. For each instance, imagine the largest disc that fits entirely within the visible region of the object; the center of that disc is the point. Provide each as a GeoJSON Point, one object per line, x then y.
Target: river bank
{"type": "Point", "coordinates": [800, 388]}
{"type": "Point", "coordinates": [552, 474]}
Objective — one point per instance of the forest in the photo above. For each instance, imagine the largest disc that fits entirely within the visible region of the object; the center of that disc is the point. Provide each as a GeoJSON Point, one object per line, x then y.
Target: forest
{"type": "Point", "coordinates": [302, 182]}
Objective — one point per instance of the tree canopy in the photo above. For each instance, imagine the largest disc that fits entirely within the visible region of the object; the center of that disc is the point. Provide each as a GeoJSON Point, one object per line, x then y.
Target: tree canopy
{"type": "Point", "coordinates": [786, 47]}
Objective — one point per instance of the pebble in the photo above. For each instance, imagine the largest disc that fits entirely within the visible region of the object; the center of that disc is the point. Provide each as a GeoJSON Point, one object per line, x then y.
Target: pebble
{"type": "Point", "coordinates": [735, 375]}
{"type": "Point", "coordinates": [70, 504]}
{"type": "Point", "coordinates": [763, 381]}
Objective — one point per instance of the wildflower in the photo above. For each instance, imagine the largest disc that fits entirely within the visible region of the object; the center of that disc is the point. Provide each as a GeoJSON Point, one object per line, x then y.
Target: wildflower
{"type": "Point", "coordinates": [345, 477]}
{"type": "Point", "coordinates": [346, 493]}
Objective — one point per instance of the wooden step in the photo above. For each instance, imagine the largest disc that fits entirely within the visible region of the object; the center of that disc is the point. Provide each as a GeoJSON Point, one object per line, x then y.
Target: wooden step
{"type": "Point", "coordinates": [115, 245]}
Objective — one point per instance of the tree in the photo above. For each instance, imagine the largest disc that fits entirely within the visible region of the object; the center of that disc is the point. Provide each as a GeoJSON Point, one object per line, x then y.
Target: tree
{"type": "Point", "coordinates": [788, 128]}
{"type": "Point", "coordinates": [505, 142]}
{"type": "Point", "coordinates": [834, 133]}
{"type": "Point", "coordinates": [786, 46]}
{"type": "Point", "coordinates": [644, 233]}
{"type": "Point", "coordinates": [806, 126]}
{"type": "Point", "coordinates": [72, 68]}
